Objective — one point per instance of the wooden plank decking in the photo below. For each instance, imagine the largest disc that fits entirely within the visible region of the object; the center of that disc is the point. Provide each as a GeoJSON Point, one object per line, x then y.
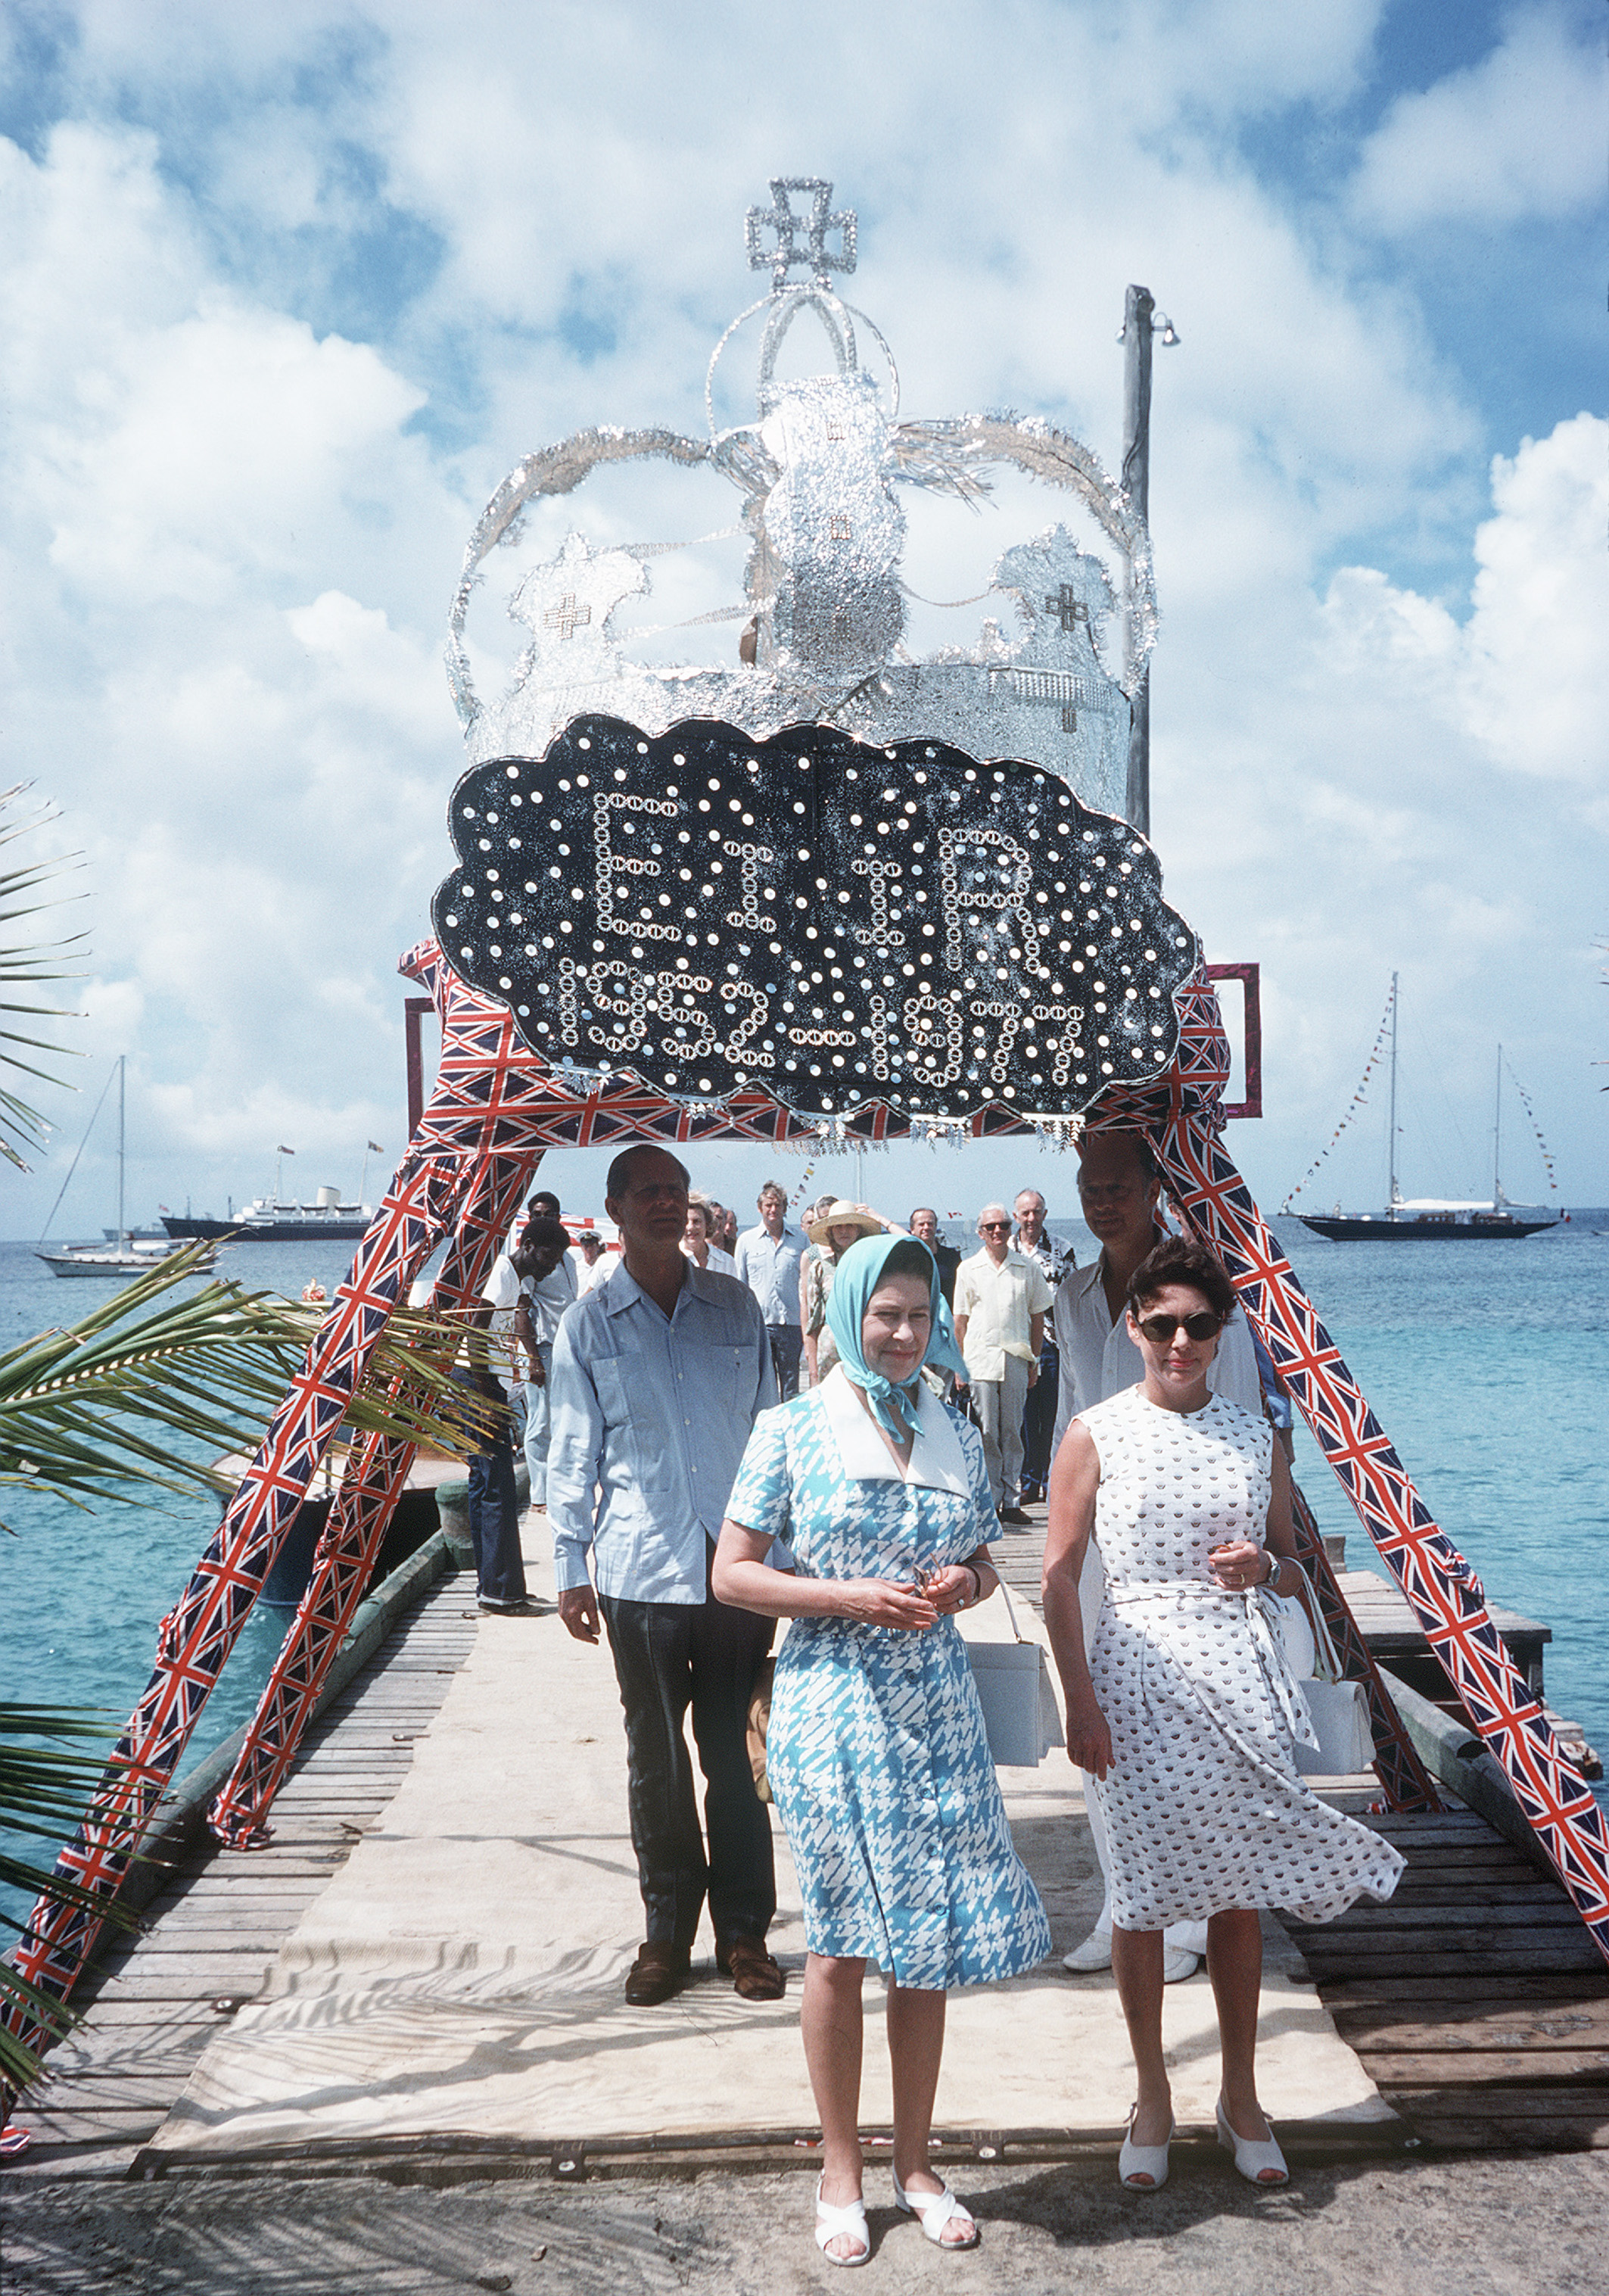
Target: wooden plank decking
{"type": "Point", "coordinates": [1476, 2000]}
{"type": "Point", "coordinates": [210, 1938]}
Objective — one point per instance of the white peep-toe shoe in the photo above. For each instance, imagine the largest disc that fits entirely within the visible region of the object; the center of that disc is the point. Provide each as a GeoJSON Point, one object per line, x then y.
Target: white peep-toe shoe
{"type": "Point", "coordinates": [1254, 2157]}
{"type": "Point", "coordinates": [1147, 2160]}
{"type": "Point", "coordinates": [849, 2220]}
{"type": "Point", "coordinates": [934, 2211]}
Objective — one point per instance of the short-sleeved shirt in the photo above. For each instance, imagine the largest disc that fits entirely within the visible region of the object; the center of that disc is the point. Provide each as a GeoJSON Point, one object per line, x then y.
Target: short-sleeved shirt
{"type": "Point", "coordinates": [1098, 1359]}
{"type": "Point", "coordinates": [770, 1266]}
{"type": "Point", "coordinates": [1000, 1304]}
{"type": "Point", "coordinates": [650, 1413]}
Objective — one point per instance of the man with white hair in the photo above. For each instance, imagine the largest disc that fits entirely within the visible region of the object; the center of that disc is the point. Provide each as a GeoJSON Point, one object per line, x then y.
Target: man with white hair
{"type": "Point", "coordinates": [1002, 1300]}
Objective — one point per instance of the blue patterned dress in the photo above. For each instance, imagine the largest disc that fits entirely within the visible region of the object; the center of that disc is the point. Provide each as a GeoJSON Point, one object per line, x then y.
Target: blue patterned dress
{"type": "Point", "coordinates": [876, 1749]}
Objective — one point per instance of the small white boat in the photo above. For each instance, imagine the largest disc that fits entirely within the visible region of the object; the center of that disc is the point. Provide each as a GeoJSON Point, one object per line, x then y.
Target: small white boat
{"type": "Point", "coordinates": [126, 1251]}
{"type": "Point", "coordinates": [125, 1259]}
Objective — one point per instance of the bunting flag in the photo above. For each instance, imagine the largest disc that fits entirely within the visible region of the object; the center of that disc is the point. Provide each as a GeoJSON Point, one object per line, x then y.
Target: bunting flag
{"type": "Point", "coordinates": [496, 1107]}
{"type": "Point", "coordinates": [1359, 1098]}
{"type": "Point", "coordinates": [1553, 1180]}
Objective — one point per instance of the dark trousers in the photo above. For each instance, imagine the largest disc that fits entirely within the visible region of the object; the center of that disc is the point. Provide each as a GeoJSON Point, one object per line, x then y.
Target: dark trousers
{"type": "Point", "coordinates": [495, 1522]}
{"type": "Point", "coordinates": [786, 1346]}
{"type": "Point", "coordinates": [667, 1656]}
{"type": "Point", "coordinates": [1039, 1418]}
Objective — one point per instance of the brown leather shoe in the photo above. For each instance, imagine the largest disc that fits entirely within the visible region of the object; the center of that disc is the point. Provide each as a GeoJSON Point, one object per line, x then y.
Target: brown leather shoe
{"type": "Point", "coordinates": [658, 1971]}
{"type": "Point", "coordinates": [754, 1974]}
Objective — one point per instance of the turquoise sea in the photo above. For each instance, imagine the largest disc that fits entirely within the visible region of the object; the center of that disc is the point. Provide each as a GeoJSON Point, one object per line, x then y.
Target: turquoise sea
{"type": "Point", "coordinates": [1487, 1364]}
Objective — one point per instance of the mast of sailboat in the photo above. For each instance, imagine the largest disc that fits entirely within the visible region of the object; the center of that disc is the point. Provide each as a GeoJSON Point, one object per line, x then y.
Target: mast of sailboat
{"type": "Point", "coordinates": [122, 1065]}
{"type": "Point", "coordinates": [1498, 1198]}
{"type": "Point", "coordinates": [1395, 1199]}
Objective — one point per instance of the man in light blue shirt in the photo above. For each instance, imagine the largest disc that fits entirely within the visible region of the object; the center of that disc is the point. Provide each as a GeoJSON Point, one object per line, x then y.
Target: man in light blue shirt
{"type": "Point", "coordinates": [768, 1260]}
{"type": "Point", "coordinates": [657, 1376]}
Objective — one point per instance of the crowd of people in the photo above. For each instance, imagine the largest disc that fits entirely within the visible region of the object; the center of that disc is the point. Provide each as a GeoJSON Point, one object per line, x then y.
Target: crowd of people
{"type": "Point", "coordinates": [831, 1421]}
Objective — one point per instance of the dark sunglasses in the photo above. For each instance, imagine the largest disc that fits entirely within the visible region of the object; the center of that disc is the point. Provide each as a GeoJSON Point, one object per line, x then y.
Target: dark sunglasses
{"type": "Point", "coordinates": [1160, 1328]}
{"type": "Point", "coordinates": [995, 1227]}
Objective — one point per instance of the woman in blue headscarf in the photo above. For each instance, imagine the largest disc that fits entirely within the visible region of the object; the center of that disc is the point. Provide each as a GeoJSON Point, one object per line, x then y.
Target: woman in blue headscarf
{"type": "Point", "coordinates": [876, 1751]}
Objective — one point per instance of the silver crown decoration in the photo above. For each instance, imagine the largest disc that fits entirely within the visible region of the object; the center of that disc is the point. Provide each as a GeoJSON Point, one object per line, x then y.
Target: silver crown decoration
{"type": "Point", "coordinates": [819, 473]}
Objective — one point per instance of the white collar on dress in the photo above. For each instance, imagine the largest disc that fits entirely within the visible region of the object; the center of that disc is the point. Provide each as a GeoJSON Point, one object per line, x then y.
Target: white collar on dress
{"type": "Point", "coordinates": [937, 1462]}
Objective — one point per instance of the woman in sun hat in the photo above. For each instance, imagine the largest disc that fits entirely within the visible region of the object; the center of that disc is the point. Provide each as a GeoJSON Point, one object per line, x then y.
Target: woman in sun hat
{"type": "Point", "coordinates": [832, 1231]}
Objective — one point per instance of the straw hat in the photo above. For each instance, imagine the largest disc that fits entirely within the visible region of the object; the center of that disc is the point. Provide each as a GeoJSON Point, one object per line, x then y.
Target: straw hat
{"type": "Point", "coordinates": [843, 1215]}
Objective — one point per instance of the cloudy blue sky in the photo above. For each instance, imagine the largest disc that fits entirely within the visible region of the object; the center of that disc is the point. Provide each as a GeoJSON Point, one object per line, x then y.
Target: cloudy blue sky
{"type": "Point", "coordinates": [287, 291]}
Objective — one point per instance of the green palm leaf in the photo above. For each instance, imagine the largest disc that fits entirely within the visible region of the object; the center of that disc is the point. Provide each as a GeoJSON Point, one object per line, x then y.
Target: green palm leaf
{"type": "Point", "coordinates": [24, 963]}
{"type": "Point", "coordinates": [83, 1409]}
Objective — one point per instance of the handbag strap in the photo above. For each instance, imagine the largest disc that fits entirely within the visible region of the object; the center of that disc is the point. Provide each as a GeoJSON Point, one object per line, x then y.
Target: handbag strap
{"type": "Point", "coordinates": [1017, 1631]}
{"type": "Point", "coordinates": [1326, 1660]}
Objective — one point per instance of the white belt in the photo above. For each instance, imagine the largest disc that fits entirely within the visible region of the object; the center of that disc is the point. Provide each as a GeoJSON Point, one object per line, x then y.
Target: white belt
{"type": "Point", "coordinates": [1282, 1685]}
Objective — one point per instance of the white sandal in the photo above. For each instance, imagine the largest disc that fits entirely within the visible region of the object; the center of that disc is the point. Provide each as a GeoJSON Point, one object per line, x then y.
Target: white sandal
{"type": "Point", "coordinates": [935, 2210]}
{"type": "Point", "coordinates": [1254, 2157]}
{"type": "Point", "coordinates": [848, 2222]}
{"type": "Point", "coordinates": [1149, 2161]}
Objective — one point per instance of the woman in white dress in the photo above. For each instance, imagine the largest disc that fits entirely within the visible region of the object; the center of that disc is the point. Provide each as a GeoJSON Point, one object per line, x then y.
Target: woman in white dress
{"type": "Point", "coordinates": [1185, 1713]}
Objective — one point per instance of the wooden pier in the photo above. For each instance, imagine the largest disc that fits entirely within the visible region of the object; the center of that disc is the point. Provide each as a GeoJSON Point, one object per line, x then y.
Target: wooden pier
{"type": "Point", "coordinates": [154, 2000]}
{"type": "Point", "coordinates": [1475, 1999]}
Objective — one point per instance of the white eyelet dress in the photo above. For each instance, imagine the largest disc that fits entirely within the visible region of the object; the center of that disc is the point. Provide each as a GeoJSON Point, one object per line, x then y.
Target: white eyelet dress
{"type": "Point", "coordinates": [1204, 1805]}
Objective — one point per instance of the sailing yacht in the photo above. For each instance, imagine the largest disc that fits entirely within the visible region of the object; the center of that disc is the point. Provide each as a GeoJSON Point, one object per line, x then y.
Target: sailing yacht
{"type": "Point", "coordinates": [1433, 1219]}
{"type": "Point", "coordinates": [124, 1252]}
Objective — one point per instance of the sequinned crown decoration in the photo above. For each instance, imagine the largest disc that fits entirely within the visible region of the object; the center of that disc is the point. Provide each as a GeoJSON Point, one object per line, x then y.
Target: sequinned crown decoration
{"type": "Point", "coordinates": [820, 472]}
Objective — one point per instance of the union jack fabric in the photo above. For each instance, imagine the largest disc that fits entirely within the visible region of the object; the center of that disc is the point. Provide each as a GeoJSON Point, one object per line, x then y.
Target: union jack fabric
{"type": "Point", "coordinates": [1442, 1590]}
{"type": "Point", "coordinates": [494, 1108]}
{"type": "Point", "coordinates": [344, 1559]}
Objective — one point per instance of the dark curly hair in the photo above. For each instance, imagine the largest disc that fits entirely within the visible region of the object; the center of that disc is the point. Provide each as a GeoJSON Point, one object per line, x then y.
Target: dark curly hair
{"type": "Point", "coordinates": [1177, 1260]}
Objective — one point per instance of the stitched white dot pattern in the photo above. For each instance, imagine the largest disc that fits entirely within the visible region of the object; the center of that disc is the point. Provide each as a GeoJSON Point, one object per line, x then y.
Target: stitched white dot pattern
{"type": "Point", "coordinates": [1204, 1808]}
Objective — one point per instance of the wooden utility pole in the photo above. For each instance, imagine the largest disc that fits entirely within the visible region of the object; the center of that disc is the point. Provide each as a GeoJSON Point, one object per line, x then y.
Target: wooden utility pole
{"type": "Point", "coordinates": [1138, 305]}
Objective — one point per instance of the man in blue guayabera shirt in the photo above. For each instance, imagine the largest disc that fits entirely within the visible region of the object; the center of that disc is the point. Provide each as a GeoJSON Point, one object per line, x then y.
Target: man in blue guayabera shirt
{"type": "Point", "coordinates": [657, 1376]}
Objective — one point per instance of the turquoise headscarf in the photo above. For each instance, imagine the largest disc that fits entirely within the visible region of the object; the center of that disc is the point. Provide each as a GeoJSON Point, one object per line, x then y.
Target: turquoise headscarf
{"type": "Point", "coordinates": [856, 1277]}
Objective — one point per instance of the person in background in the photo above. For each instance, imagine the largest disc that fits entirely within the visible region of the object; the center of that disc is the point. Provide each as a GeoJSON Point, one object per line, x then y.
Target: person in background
{"type": "Point", "coordinates": [542, 1205]}
{"type": "Point", "coordinates": [768, 1261]}
{"type": "Point", "coordinates": [591, 1263]}
{"type": "Point", "coordinates": [494, 1501]}
{"type": "Point", "coordinates": [547, 1288]}
{"type": "Point", "coordinates": [723, 1228]}
{"type": "Point", "coordinates": [657, 1376]}
{"type": "Point", "coordinates": [831, 1231]}
{"type": "Point", "coordinates": [1039, 1415]}
{"type": "Point", "coordinates": [1120, 1188]}
{"type": "Point", "coordinates": [925, 1226]}
{"type": "Point", "coordinates": [695, 1241]}
{"type": "Point", "coordinates": [1001, 1301]}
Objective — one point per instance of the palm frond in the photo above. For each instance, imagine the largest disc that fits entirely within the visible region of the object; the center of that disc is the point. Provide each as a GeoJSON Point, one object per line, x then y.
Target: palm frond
{"type": "Point", "coordinates": [43, 1793]}
{"type": "Point", "coordinates": [84, 1410]}
{"type": "Point", "coordinates": [26, 962]}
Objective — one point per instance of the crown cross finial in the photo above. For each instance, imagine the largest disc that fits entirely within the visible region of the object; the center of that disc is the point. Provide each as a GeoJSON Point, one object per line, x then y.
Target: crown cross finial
{"type": "Point", "coordinates": [779, 260]}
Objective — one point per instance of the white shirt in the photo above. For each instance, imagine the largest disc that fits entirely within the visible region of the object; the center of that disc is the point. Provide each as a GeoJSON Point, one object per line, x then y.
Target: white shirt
{"type": "Point", "coordinates": [585, 1276]}
{"type": "Point", "coordinates": [716, 1261]}
{"type": "Point", "coordinates": [501, 1292]}
{"type": "Point", "coordinates": [550, 1299]}
{"type": "Point", "coordinates": [1098, 1359]}
{"type": "Point", "coordinates": [999, 1303]}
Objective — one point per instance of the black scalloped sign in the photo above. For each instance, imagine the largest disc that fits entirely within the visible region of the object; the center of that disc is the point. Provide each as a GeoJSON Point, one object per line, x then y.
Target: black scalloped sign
{"type": "Point", "coordinates": [832, 922]}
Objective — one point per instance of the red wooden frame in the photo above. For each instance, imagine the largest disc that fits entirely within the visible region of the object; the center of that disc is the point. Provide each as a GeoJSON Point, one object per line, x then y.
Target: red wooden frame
{"type": "Point", "coordinates": [1250, 978]}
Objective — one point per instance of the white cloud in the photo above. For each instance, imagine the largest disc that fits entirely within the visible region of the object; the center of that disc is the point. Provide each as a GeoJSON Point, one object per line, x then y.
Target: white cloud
{"type": "Point", "coordinates": [1519, 135]}
{"type": "Point", "coordinates": [232, 541]}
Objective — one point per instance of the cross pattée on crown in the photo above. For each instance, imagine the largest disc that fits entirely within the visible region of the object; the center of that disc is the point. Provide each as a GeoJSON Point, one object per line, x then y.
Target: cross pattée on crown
{"type": "Point", "coordinates": [779, 260]}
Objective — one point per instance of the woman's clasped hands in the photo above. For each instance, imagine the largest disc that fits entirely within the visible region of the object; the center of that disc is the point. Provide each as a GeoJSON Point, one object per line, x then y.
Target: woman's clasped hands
{"type": "Point", "coordinates": [911, 1608]}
